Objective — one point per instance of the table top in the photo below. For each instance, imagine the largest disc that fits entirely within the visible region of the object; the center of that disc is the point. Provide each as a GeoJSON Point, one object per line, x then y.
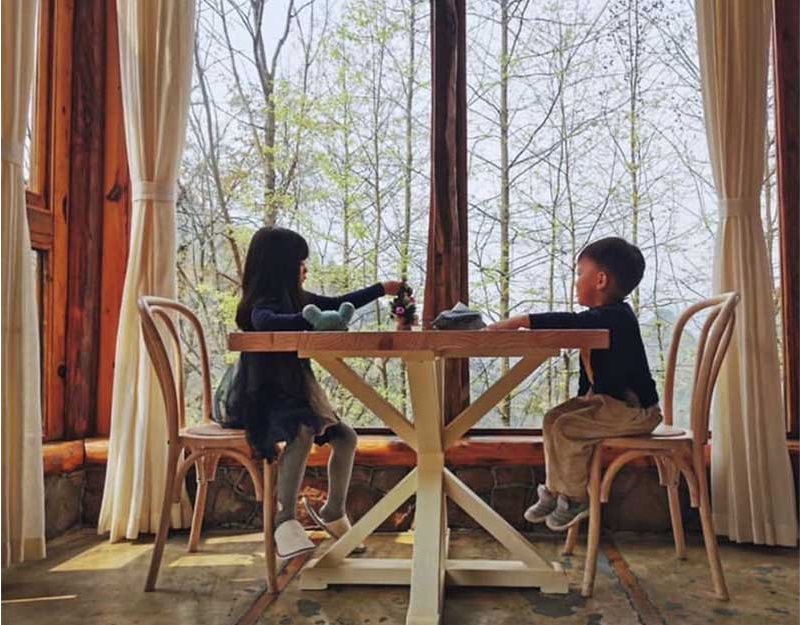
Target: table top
{"type": "Point", "coordinates": [425, 342]}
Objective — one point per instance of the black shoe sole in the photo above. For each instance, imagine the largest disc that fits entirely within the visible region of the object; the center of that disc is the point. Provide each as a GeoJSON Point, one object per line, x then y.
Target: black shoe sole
{"type": "Point", "coordinates": [576, 519]}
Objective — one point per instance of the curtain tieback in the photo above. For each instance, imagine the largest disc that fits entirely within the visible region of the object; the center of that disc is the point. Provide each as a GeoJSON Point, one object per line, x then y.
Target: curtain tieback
{"type": "Point", "coordinates": [12, 152]}
{"type": "Point", "coordinates": [738, 207]}
{"type": "Point", "coordinates": [150, 190]}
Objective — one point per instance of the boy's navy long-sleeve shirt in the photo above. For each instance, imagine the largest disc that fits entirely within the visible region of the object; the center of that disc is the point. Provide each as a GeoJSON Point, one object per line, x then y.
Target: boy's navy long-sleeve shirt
{"type": "Point", "coordinates": [268, 318]}
{"type": "Point", "coordinates": [623, 367]}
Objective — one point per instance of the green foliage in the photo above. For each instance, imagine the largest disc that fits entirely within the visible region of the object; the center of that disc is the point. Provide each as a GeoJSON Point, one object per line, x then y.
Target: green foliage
{"type": "Point", "coordinates": [604, 136]}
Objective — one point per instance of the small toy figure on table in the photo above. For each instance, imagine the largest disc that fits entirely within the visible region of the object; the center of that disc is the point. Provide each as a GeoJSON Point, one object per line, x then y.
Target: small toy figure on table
{"type": "Point", "coordinates": [403, 308]}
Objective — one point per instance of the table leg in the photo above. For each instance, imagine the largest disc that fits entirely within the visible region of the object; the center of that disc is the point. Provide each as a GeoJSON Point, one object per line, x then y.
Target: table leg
{"type": "Point", "coordinates": [333, 566]}
{"type": "Point", "coordinates": [428, 562]}
{"type": "Point", "coordinates": [430, 569]}
{"type": "Point", "coordinates": [530, 569]}
{"type": "Point", "coordinates": [427, 565]}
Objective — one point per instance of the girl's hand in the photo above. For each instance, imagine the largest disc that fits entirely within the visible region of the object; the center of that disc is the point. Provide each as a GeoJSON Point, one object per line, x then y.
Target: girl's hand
{"type": "Point", "coordinates": [392, 287]}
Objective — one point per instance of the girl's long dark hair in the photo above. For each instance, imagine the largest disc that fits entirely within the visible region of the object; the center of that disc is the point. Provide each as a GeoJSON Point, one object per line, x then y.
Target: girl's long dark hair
{"type": "Point", "coordinates": [272, 272]}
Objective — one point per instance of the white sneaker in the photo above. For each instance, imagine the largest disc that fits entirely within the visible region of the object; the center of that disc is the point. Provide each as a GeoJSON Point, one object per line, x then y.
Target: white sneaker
{"type": "Point", "coordinates": [336, 529]}
{"type": "Point", "coordinates": [291, 539]}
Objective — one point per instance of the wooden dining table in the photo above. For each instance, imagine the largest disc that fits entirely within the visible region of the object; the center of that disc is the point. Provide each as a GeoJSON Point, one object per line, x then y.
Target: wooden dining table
{"type": "Point", "coordinates": [424, 353]}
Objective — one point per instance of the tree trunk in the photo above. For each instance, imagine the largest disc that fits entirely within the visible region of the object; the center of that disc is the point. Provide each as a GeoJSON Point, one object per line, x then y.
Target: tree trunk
{"type": "Point", "coordinates": [408, 169]}
{"type": "Point", "coordinates": [505, 243]}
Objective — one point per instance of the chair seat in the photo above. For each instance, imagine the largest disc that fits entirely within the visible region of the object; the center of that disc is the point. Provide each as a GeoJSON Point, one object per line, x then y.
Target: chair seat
{"type": "Point", "coordinates": [668, 431]}
{"type": "Point", "coordinates": [213, 431]}
{"type": "Point", "coordinates": [661, 437]}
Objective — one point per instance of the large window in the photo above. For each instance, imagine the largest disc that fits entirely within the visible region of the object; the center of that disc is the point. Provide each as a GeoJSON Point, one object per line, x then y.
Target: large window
{"type": "Point", "coordinates": [584, 120]}
{"type": "Point", "coordinates": [314, 116]}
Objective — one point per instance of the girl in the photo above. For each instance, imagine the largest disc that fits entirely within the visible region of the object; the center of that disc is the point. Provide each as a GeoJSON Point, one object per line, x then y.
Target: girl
{"type": "Point", "coordinates": [280, 399]}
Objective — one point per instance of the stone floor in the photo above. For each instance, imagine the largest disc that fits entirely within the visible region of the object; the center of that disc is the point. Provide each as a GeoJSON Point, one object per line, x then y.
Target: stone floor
{"type": "Point", "coordinates": [88, 581]}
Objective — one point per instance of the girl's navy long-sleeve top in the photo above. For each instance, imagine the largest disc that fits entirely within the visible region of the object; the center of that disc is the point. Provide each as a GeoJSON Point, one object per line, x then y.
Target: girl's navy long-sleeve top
{"type": "Point", "coordinates": [270, 318]}
{"type": "Point", "coordinates": [620, 368]}
{"type": "Point", "coordinates": [272, 387]}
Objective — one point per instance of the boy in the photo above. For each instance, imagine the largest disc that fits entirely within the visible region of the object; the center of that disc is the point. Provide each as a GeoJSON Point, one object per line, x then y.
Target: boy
{"type": "Point", "coordinates": [616, 395]}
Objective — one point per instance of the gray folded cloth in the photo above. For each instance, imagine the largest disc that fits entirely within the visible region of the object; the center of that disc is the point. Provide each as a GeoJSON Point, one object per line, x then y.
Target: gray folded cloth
{"type": "Point", "coordinates": [459, 318]}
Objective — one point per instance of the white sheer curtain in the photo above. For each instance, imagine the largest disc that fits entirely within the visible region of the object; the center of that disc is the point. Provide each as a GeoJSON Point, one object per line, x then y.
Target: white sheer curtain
{"type": "Point", "coordinates": [23, 477]}
{"type": "Point", "coordinates": [156, 44]}
{"type": "Point", "coordinates": [751, 478]}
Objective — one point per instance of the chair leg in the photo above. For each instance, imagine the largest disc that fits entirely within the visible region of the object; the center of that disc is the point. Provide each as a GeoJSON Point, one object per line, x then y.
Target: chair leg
{"type": "Point", "coordinates": [572, 538]}
{"type": "Point", "coordinates": [163, 522]}
{"type": "Point", "coordinates": [593, 539]}
{"type": "Point", "coordinates": [677, 521]}
{"type": "Point", "coordinates": [205, 468]}
{"type": "Point", "coordinates": [709, 535]}
{"type": "Point", "coordinates": [270, 475]}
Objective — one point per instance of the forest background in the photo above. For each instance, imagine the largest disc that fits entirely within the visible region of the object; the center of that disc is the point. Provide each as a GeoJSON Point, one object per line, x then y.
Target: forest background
{"type": "Point", "coordinates": [585, 119]}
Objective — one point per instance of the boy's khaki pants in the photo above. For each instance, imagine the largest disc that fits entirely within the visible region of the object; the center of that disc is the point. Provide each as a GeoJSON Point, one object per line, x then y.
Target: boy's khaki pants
{"type": "Point", "coordinates": [572, 429]}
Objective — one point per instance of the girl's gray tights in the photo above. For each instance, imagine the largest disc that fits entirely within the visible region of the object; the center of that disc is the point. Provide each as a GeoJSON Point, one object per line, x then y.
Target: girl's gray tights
{"type": "Point", "coordinates": [292, 468]}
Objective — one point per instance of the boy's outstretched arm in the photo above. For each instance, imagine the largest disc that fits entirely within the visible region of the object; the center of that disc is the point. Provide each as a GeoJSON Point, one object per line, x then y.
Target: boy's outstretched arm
{"type": "Point", "coordinates": [512, 323]}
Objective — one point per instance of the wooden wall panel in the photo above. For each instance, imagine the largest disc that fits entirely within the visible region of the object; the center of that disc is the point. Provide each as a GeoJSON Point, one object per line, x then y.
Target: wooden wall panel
{"type": "Point", "coordinates": [85, 217]}
{"type": "Point", "coordinates": [787, 121]}
{"type": "Point", "coordinates": [59, 170]}
{"type": "Point", "coordinates": [116, 225]}
{"type": "Point", "coordinates": [48, 202]}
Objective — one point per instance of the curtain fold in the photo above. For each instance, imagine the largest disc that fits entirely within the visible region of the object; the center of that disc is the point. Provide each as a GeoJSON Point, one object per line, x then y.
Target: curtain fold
{"type": "Point", "coordinates": [156, 43]}
{"type": "Point", "coordinates": [751, 478]}
{"type": "Point", "coordinates": [22, 473]}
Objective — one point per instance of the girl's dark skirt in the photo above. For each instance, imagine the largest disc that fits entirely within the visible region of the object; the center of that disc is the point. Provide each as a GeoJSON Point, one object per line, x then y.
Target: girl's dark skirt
{"type": "Point", "coordinates": [277, 420]}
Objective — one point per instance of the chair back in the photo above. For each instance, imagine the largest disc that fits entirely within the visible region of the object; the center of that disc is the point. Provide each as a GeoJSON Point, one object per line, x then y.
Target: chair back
{"type": "Point", "coordinates": [170, 371]}
{"type": "Point", "coordinates": [712, 345]}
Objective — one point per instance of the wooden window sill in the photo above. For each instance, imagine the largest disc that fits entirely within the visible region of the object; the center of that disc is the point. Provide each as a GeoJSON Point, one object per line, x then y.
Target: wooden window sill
{"type": "Point", "coordinates": [373, 450]}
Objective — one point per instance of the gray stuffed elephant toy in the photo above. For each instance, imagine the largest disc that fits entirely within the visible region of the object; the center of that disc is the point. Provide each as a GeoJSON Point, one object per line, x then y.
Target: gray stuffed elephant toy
{"type": "Point", "coordinates": [328, 320]}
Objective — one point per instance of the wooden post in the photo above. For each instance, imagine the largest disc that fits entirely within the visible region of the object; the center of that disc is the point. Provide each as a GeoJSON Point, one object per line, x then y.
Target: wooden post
{"type": "Point", "coordinates": [786, 49]}
{"type": "Point", "coordinates": [85, 216]}
{"type": "Point", "coordinates": [116, 224]}
{"type": "Point", "coordinates": [446, 280]}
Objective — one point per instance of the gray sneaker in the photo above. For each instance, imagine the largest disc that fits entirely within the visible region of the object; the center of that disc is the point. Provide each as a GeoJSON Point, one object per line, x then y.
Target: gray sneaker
{"type": "Point", "coordinates": [567, 513]}
{"type": "Point", "coordinates": [538, 512]}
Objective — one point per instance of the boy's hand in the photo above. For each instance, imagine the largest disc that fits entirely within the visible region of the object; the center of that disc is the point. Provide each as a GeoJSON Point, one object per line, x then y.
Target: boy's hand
{"type": "Point", "coordinates": [392, 287]}
{"type": "Point", "coordinates": [514, 323]}
{"type": "Point", "coordinates": [496, 326]}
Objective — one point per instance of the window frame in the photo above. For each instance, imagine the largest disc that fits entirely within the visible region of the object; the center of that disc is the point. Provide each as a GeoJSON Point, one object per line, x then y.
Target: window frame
{"type": "Point", "coordinates": [46, 199]}
{"type": "Point", "coordinates": [48, 226]}
{"type": "Point", "coordinates": [782, 47]}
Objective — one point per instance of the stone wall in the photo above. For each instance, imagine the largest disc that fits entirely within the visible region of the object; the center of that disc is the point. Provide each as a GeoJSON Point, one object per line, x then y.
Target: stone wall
{"type": "Point", "coordinates": [63, 495]}
{"type": "Point", "coordinates": [638, 502]}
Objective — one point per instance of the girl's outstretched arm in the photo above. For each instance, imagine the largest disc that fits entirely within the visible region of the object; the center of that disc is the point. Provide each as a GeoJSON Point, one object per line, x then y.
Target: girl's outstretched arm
{"type": "Point", "coordinates": [267, 320]}
{"type": "Point", "coordinates": [358, 298]}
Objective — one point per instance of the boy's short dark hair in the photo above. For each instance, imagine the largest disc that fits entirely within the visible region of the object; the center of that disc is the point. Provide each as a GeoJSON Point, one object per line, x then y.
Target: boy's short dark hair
{"type": "Point", "coordinates": [623, 261]}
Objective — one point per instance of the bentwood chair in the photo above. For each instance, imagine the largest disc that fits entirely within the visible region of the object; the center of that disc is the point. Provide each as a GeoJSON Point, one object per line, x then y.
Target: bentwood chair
{"type": "Point", "coordinates": [676, 451]}
{"type": "Point", "coordinates": [200, 445]}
